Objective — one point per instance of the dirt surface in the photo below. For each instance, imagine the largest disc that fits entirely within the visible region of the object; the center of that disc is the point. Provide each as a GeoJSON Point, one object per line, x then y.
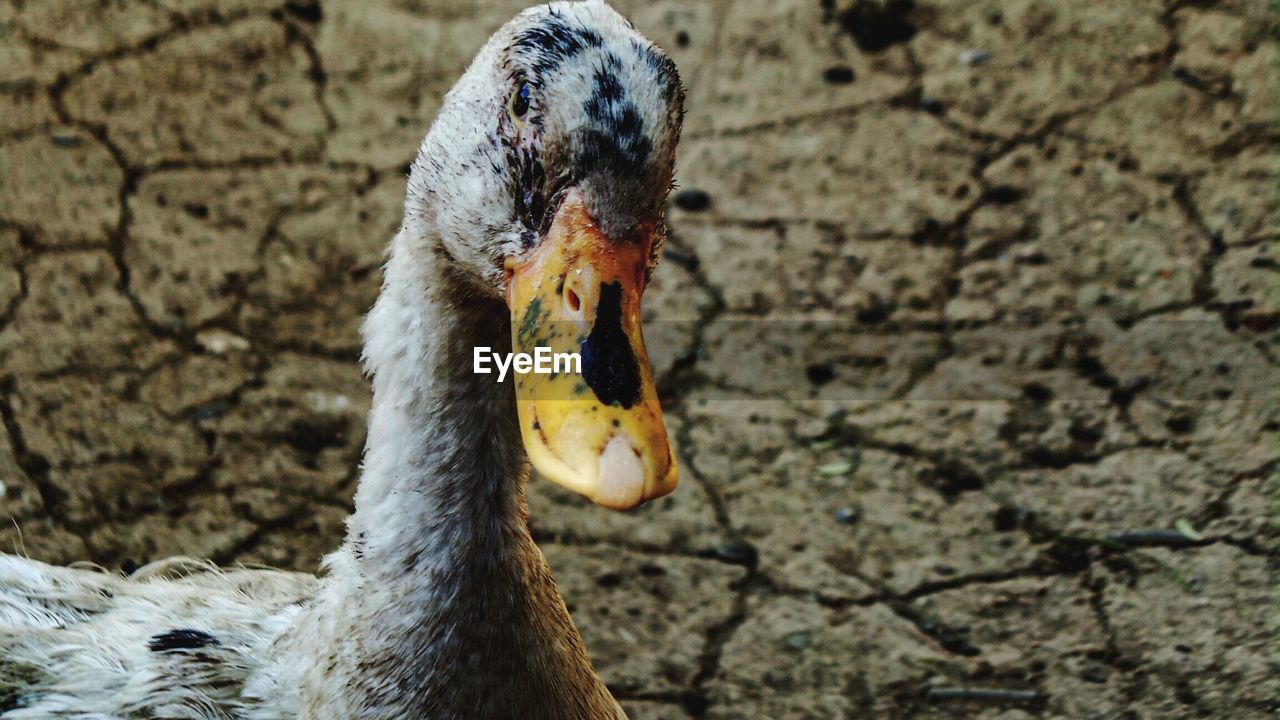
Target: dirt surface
{"type": "Point", "coordinates": [984, 305]}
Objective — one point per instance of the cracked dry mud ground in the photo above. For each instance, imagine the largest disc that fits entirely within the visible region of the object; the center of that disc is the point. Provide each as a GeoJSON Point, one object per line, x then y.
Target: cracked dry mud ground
{"type": "Point", "coordinates": [981, 288]}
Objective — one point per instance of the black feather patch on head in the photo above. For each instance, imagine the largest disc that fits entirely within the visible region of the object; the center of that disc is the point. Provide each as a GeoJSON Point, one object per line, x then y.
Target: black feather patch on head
{"type": "Point", "coordinates": [553, 41]}
{"type": "Point", "coordinates": [177, 640]}
{"type": "Point", "coordinates": [618, 142]}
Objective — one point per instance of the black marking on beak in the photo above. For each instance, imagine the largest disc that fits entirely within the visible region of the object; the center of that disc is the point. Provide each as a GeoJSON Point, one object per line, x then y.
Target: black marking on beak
{"type": "Point", "coordinates": [609, 365]}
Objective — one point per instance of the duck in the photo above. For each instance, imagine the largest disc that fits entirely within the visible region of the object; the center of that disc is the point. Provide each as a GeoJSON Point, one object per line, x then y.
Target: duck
{"type": "Point", "coordinates": [533, 221]}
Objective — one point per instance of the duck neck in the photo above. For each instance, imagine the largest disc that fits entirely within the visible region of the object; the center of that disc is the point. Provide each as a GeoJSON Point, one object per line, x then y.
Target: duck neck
{"type": "Point", "coordinates": [446, 603]}
{"type": "Point", "coordinates": [444, 468]}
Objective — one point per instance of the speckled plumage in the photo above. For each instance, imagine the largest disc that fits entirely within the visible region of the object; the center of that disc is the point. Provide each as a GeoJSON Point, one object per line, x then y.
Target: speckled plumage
{"type": "Point", "coordinates": [438, 605]}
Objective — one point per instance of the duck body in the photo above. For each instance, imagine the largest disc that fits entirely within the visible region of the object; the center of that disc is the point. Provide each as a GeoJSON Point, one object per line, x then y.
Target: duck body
{"type": "Point", "coordinates": [178, 639]}
{"type": "Point", "coordinates": [441, 607]}
{"type": "Point", "coordinates": [438, 605]}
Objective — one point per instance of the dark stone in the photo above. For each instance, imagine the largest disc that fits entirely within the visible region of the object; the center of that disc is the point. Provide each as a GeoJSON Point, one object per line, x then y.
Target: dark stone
{"type": "Point", "coordinates": [1188, 77]}
{"type": "Point", "coordinates": [1085, 434]}
{"type": "Point", "coordinates": [1180, 424]}
{"type": "Point", "coordinates": [738, 552]}
{"type": "Point", "coordinates": [312, 434]}
{"type": "Point", "coordinates": [819, 374]}
{"type": "Point", "coordinates": [877, 313]}
{"type": "Point", "coordinates": [651, 570]}
{"type": "Point", "coordinates": [848, 516]}
{"type": "Point", "coordinates": [305, 11]}
{"type": "Point", "coordinates": [1095, 372]}
{"type": "Point", "coordinates": [878, 26]}
{"type": "Point", "coordinates": [1006, 518]}
{"type": "Point", "coordinates": [839, 75]}
{"type": "Point", "coordinates": [928, 231]}
{"type": "Point", "coordinates": [933, 106]}
{"type": "Point", "coordinates": [1037, 393]}
{"type": "Point", "coordinates": [1003, 195]}
{"type": "Point", "coordinates": [954, 640]}
{"type": "Point", "coordinates": [209, 411]}
{"type": "Point", "coordinates": [692, 200]}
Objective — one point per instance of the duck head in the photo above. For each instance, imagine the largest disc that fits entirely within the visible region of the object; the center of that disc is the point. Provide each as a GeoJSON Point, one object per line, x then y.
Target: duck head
{"type": "Point", "coordinates": [544, 177]}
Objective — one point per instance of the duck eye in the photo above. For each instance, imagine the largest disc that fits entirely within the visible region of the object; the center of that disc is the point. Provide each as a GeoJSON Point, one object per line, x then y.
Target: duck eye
{"type": "Point", "coordinates": [518, 105]}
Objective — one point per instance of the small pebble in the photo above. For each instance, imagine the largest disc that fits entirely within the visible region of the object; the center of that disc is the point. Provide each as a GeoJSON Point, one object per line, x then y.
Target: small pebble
{"type": "Point", "coordinates": [1188, 77]}
{"type": "Point", "coordinates": [738, 552]}
{"type": "Point", "coordinates": [960, 646]}
{"type": "Point", "coordinates": [328, 402]}
{"type": "Point", "coordinates": [993, 695]}
{"type": "Point", "coordinates": [932, 105]}
{"type": "Point", "coordinates": [1180, 424]}
{"type": "Point", "coordinates": [800, 640]}
{"type": "Point", "coordinates": [1037, 392]}
{"type": "Point", "coordinates": [211, 411]}
{"type": "Point", "coordinates": [1187, 530]}
{"type": "Point", "coordinates": [220, 342]}
{"type": "Point", "coordinates": [1003, 195]}
{"type": "Point", "coordinates": [693, 200]}
{"type": "Point", "coordinates": [835, 468]}
{"type": "Point", "coordinates": [819, 373]}
{"type": "Point", "coordinates": [848, 516]}
{"type": "Point", "coordinates": [1154, 537]}
{"type": "Point", "coordinates": [1006, 518]}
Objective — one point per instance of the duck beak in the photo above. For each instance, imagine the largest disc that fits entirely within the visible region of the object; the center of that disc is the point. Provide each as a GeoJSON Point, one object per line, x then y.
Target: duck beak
{"type": "Point", "coordinates": [592, 424]}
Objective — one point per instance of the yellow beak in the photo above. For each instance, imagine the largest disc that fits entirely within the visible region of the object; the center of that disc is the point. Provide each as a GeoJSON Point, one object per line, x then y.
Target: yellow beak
{"type": "Point", "coordinates": [594, 427]}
